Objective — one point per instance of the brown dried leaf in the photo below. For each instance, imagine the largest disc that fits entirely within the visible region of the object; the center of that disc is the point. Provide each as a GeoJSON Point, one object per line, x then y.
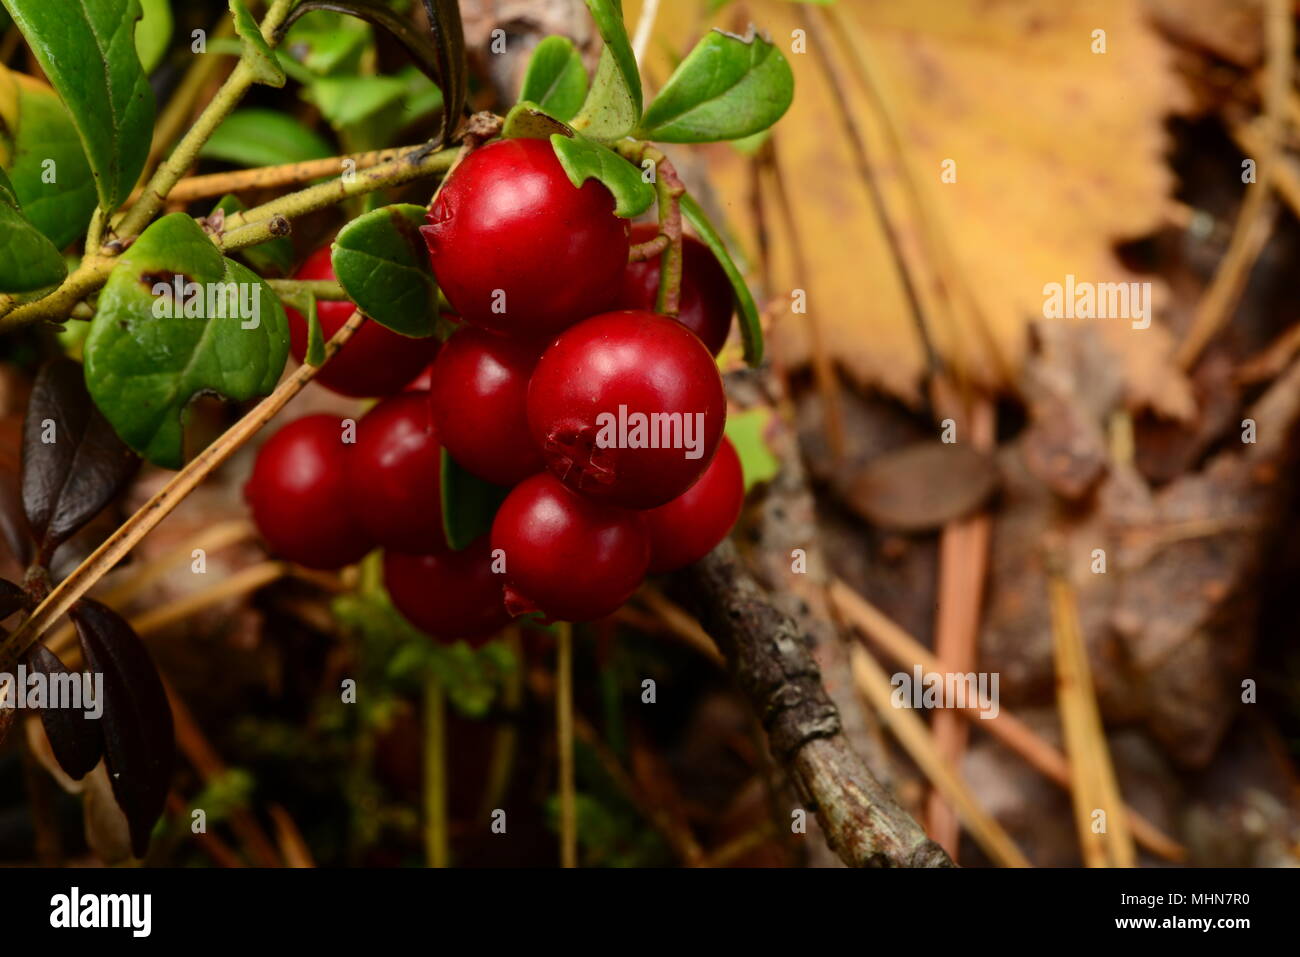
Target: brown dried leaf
{"type": "Point", "coordinates": [923, 486]}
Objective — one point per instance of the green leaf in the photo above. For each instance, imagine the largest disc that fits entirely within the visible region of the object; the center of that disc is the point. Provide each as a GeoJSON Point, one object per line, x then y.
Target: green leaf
{"type": "Point", "coordinates": [274, 256]}
{"type": "Point", "coordinates": [613, 104]}
{"type": "Point", "coordinates": [750, 330]}
{"type": "Point", "coordinates": [28, 261]}
{"type": "Point", "coordinates": [468, 504]}
{"type": "Point", "coordinates": [382, 263]}
{"type": "Point", "coordinates": [42, 151]}
{"type": "Point", "coordinates": [527, 121]}
{"type": "Point", "coordinates": [747, 431]}
{"type": "Point", "coordinates": [346, 100]}
{"type": "Point", "coordinates": [584, 160]}
{"type": "Point", "coordinates": [88, 52]}
{"type": "Point", "coordinates": [327, 43]}
{"type": "Point", "coordinates": [257, 52]}
{"type": "Point", "coordinates": [556, 80]}
{"type": "Point", "coordinates": [727, 88]}
{"type": "Point", "coordinates": [258, 137]}
{"type": "Point", "coordinates": [153, 33]}
{"type": "Point", "coordinates": [143, 368]}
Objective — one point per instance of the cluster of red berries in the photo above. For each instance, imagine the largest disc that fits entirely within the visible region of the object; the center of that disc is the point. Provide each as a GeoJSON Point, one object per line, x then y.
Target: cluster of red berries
{"type": "Point", "coordinates": [607, 426]}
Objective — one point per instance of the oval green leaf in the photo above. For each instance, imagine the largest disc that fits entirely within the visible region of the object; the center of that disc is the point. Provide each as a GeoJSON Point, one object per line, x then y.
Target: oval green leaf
{"type": "Point", "coordinates": [584, 160]}
{"type": "Point", "coordinates": [144, 366]}
{"type": "Point", "coordinates": [382, 263]}
{"type": "Point", "coordinates": [751, 333]}
{"type": "Point", "coordinates": [613, 104]}
{"type": "Point", "coordinates": [42, 151]}
{"type": "Point", "coordinates": [528, 121]}
{"type": "Point", "coordinates": [258, 137]}
{"type": "Point", "coordinates": [88, 52]}
{"type": "Point", "coordinates": [727, 88]}
{"type": "Point", "coordinates": [153, 33]}
{"type": "Point", "coordinates": [257, 52]}
{"type": "Point", "coordinates": [28, 260]}
{"type": "Point", "coordinates": [556, 80]}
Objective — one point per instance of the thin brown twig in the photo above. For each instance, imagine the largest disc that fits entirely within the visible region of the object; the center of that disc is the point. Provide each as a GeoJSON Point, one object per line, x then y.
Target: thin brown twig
{"type": "Point", "coordinates": [906, 651]}
{"type": "Point", "coordinates": [114, 548]}
{"type": "Point", "coordinates": [1254, 219]}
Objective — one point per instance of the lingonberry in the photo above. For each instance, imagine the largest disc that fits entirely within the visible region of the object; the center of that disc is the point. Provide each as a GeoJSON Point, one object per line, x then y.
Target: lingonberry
{"type": "Point", "coordinates": [627, 407]}
{"type": "Point", "coordinates": [517, 248]}
{"type": "Point", "coordinates": [393, 475]}
{"type": "Point", "coordinates": [569, 557]}
{"type": "Point", "coordinates": [707, 301]}
{"type": "Point", "coordinates": [300, 497]}
{"type": "Point", "coordinates": [448, 594]}
{"type": "Point", "coordinates": [688, 527]}
{"type": "Point", "coordinates": [377, 361]}
{"type": "Point", "coordinates": [477, 391]}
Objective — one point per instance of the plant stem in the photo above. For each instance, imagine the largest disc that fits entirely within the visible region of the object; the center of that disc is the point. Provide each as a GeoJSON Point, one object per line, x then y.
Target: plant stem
{"type": "Point", "coordinates": [328, 289]}
{"type": "Point", "coordinates": [564, 733]}
{"type": "Point", "coordinates": [435, 772]}
{"type": "Point", "coordinates": [668, 192]}
{"type": "Point", "coordinates": [286, 174]}
{"type": "Point", "coordinates": [84, 280]}
{"type": "Point", "coordinates": [187, 150]}
{"type": "Point", "coordinates": [117, 545]}
{"type": "Point", "coordinates": [403, 169]}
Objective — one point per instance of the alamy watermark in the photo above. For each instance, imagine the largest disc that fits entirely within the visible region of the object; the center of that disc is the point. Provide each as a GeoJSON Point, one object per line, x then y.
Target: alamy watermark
{"type": "Point", "coordinates": [68, 690]}
{"type": "Point", "coordinates": [655, 430]}
{"type": "Point", "coordinates": [950, 690]}
{"type": "Point", "coordinates": [1098, 300]}
{"type": "Point", "coordinates": [182, 298]}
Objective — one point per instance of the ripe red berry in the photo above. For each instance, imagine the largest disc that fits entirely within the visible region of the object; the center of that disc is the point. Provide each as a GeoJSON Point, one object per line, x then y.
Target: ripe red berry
{"type": "Point", "coordinates": [300, 497]}
{"type": "Point", "coordinates": [516, 248]}
{"type": "Point", "coordinates": [478, 391]}
{"type": "Point", "coordinates": [449, 595]}
{"type": "Point", "coordinates": [707, 301]}
{"type": "Point", "coordinates": [688, 527]}
{"type": "Point", "coordinates": [375, 362]}
{"type": "Point", "coordinates": [569, 557]}
{"type": "Point", "coordinates": [393, 475]}
{"type": "Point", "coordinates": [627, 407]}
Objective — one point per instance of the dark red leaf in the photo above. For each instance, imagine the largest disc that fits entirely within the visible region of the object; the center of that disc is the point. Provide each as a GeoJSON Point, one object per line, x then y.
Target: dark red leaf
{"type": "Point", "coordinates": [76, 740]}
{"type": "Point", "coordinates": [73, 461]}
{"type": "Point", "coordinates": [139, 743]}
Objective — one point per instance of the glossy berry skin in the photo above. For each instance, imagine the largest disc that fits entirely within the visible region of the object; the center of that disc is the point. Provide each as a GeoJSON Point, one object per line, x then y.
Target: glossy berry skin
{"type": "Point", "coordinates": [509, 219]}
{"type": "Point", "coordinates": [707, 301]}
{"type": "Point", "coordinates": [688, 527]}
{"type": "Point", "coordinates": [300, 498]}
{"type": "Point", "coordinates": [449, 595]}
{"type": "Point", "coordinates": [624, 367]}
{"type": "Point", "coordinates": [393, 475]}
{"type": "Point", "coordinates": [569, 557]}
{"type": "Point", "coordinates": [478, 391]}
{"type": "Point", "coordinates": [375, 362]}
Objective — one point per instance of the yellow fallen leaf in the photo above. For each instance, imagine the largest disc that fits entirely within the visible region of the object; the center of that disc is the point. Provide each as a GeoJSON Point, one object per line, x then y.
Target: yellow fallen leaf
{"type": "Point", "coordinates": [1058, 155]}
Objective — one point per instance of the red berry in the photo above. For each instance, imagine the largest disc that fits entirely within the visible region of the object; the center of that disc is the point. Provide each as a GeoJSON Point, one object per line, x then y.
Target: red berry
{"type": "Point", "coordinates": [449, 595]}
{"type": "Point", "coordinates": [300, 497]}
{"type": "Point", "coordinates": [707, 301]}
{"type": "Point", "coordinates": [628, 408]}
{"type": "Point", "coordinates": [376, 361]}
{"type": "Point", "coordinates": [393, 475]}
{"type": "Point", "coordinates": [569, 557]}
{"type": "Point", "coordinates": [688, 527]}
{"type": "Point", "coordinates": [516, 248]}
{"type": "Point", "coordinates": [479, 388]}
